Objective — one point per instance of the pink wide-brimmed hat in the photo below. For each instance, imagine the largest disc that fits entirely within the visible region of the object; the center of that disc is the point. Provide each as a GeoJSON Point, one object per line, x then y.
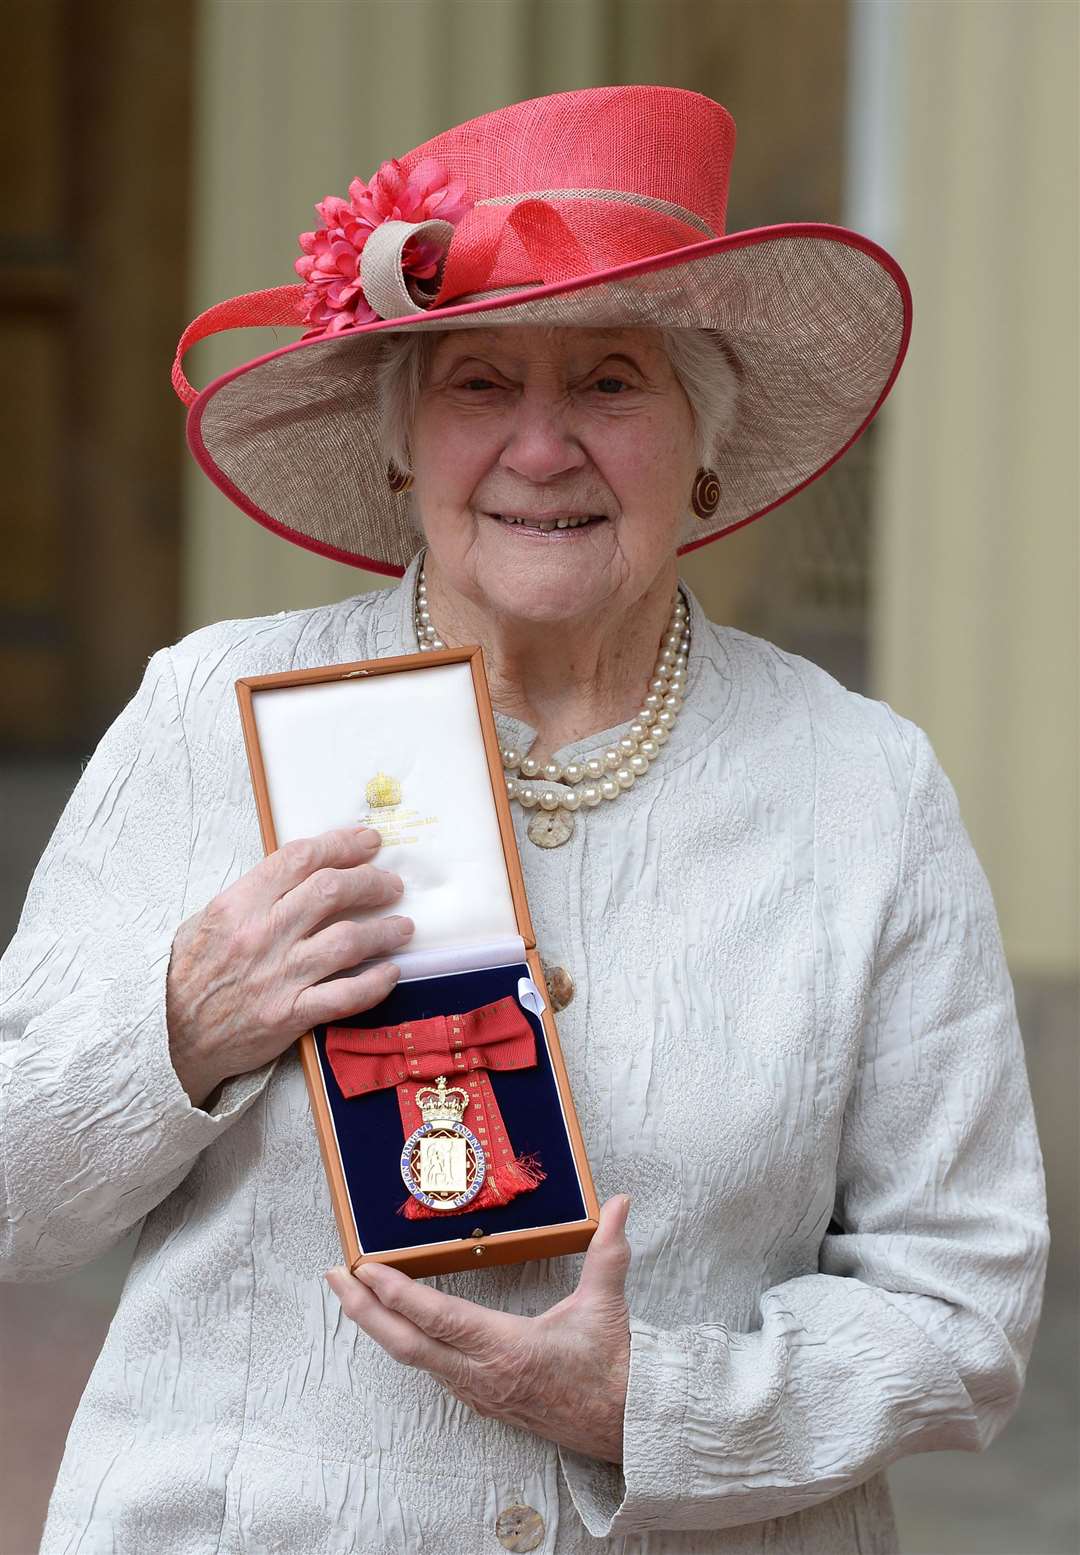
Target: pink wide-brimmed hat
{"type": "Point", "coordinates": [598, 208]}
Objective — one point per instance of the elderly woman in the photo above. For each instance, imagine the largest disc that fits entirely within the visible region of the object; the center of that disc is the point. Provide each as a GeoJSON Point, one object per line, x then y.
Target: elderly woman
{"type": "Point", "coordinates": [783, 1002]}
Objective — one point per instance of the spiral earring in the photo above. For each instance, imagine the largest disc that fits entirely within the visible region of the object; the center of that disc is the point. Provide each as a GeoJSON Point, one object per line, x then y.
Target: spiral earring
{"type": "Point", "coordinates": [705, 494]}
{"type": "Point", "coordinates": [398, 480]}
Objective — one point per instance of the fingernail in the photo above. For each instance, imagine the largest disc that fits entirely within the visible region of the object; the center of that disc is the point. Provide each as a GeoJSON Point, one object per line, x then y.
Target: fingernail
{"type": "Point", "coordinates": [366, 831]}
{"type": "Point", "coordinates": [393, 879]}
{"type": "Point", "coordinates": [404, 925]}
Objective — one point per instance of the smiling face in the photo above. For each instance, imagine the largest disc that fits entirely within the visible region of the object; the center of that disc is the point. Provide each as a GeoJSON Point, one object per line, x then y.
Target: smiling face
{"type": "Point", "coordinates": [552, 467]}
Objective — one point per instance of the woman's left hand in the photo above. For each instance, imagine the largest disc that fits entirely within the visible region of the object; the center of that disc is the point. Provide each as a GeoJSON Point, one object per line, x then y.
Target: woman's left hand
{"type": "Point", "coordinates": [562, 1375]}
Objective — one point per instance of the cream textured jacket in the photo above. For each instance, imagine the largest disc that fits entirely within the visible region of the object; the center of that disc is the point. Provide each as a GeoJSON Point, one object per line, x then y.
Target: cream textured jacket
{"type": "Point", "coordinates": [792, 1041]}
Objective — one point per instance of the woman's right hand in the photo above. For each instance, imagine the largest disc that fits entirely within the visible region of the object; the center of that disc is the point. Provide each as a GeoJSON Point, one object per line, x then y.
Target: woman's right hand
{"type": "Point", "coordinates": [245, 977]}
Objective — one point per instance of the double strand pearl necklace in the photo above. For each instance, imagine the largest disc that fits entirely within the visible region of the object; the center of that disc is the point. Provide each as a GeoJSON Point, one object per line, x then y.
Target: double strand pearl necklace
{"type": "Point", "coordinates": [601, 778]}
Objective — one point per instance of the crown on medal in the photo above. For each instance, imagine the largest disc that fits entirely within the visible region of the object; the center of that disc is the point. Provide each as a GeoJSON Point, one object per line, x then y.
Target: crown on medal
{"type": "Point", "coordinates": [442, 1105]}
{"type": "Point", "coordinates": [383, 791]}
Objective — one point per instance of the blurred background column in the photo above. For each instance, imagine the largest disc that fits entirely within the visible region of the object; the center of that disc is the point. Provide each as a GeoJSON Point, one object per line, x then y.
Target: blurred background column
{"type": "Point", "coordinates": [974, 634]}
{"type": "Point", "coordinates": [973, 629]}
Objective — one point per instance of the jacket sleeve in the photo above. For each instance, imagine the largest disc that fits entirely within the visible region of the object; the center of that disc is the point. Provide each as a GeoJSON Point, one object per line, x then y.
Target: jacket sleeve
{"type": "Point", "coordinates": [95, 1127]}
{"type": "Point", "coordinates": [916, 1331]}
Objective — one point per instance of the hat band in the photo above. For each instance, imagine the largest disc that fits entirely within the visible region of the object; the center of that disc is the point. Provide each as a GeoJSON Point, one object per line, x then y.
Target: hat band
{"type": "Point", "coordinates": [539, 238]}
{"type": "Point", "coordinates": [618, 196]}
{"type": "Point", "coordinates": [387, 288]}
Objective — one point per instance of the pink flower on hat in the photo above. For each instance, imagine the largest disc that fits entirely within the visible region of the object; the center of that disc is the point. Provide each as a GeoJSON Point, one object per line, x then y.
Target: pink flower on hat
{"type": "Point", "coordinates": [330, 266]}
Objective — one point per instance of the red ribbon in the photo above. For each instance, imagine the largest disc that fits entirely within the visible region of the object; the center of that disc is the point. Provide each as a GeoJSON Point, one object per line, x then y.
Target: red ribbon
{"type": "Point", "coordinates": [496, 1036]}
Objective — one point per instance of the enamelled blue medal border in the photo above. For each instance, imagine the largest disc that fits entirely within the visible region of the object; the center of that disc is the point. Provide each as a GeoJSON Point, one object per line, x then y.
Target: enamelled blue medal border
{"type": "Point", "coordinates": [414, 1187]}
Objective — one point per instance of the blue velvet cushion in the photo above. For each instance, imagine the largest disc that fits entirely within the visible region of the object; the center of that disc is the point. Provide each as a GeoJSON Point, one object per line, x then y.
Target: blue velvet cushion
{"type": "Point", "coordinates": [370, 1134]}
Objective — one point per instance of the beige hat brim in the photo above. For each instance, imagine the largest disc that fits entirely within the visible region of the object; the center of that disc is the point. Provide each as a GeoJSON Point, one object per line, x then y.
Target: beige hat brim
{"type": "Point", "coordinates": [816, 318]}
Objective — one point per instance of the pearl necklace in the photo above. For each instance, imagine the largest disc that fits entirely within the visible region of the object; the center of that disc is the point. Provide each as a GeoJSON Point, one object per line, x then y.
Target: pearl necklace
{"type": "Point", "coordinates": [600, 778]}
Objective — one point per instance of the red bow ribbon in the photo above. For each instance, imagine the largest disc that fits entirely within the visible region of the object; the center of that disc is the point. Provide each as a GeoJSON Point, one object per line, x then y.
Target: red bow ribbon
{"type": "Point", "coordinates": [496, 1036]}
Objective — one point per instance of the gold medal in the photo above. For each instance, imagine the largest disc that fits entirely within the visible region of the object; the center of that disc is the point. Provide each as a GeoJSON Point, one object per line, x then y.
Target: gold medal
{"type": "Point", "coordinates": [442, 1162]}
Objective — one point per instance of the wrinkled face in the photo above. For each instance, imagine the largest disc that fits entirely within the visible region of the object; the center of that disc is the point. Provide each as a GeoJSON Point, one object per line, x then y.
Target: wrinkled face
{"type": "Point", "coordinates": [552, 467]}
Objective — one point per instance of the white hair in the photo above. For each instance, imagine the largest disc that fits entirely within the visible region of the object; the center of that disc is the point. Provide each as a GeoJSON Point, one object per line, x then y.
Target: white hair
{"type": "Point", "coordinates": [699, 358]}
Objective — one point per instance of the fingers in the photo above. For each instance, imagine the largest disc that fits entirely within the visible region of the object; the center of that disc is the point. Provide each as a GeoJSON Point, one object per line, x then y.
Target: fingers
{"type": "Point", "coordinates": [607, 1261]}
{"type": "Point", "coordinates": [343, 946]}
{"type": "Point", "coordinates": [397, 1334]}
{"type": "Point", "coordinates": [344, 996]}
{"type": "Point", "coordinates": [329, 892]}
{"type": "Point", "coordinates": [340, 848]}
{"type": "Point", "coordinates": [461, 1324]}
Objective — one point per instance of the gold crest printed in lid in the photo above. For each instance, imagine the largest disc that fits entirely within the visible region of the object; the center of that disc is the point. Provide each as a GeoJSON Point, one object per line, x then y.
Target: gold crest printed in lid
{"type": "Point", "coordinates": [383, 791]}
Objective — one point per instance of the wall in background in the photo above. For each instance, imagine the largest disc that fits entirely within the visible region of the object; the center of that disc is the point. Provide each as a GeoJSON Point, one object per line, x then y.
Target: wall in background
{"type": "Point", "coordinates": [974, 629]}
{"type": "Point", "coordinates": [94, 181]}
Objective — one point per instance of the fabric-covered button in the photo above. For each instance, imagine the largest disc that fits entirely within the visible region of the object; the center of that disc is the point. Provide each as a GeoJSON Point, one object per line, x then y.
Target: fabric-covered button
{"type": "Point", "coordinates": [560, 985]}
{"type": "Point", "coordinates": [519, 1528]}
